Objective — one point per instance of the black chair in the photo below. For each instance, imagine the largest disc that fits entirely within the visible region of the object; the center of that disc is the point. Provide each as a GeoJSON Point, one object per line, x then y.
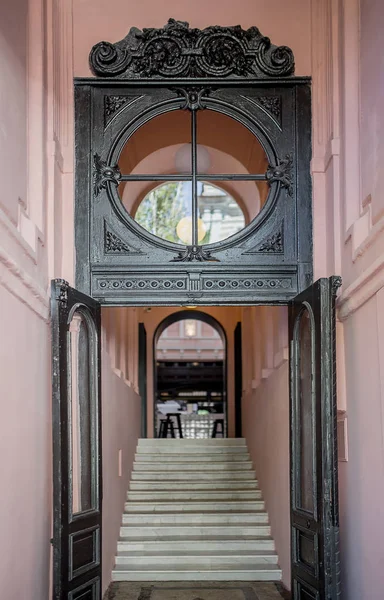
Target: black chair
{"type": "Point", "coordinates": [161, 428]}
{"type": "Point", "coordinates": [215, 431]}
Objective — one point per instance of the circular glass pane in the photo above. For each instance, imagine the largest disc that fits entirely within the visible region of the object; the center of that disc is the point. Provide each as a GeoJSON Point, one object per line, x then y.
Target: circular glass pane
{"type": "Point", "coordinates": [166, 211]}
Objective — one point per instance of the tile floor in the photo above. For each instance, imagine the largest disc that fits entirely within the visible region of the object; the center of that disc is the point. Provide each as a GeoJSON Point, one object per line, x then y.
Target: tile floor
{"type": "Point", "coordinates": [195, 591]}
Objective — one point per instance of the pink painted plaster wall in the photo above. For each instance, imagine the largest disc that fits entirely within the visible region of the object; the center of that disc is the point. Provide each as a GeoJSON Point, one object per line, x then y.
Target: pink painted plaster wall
{"type": "Point", "coordinates": [95, 20]}
{"type": "Point", "coordinates": [266, 429]}
{"type": "Point", "coordinates": [13, 105]}
{"type": "Point", "coordinates": [25, 451]}
{"type": "Point", "coordinates": [121, 414]}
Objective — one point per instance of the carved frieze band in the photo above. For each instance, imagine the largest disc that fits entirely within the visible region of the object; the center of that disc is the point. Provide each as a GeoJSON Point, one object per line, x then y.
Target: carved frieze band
{"type": "Point", "coordinates": [176, 50]}
{"type": "Point", "coordinates": [193, 283]}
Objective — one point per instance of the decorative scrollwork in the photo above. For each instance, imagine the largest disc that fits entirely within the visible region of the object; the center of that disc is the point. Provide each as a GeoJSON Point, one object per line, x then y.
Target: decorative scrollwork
{"type": "Point", "coordinates": [103, 173]}
{"type": "Point", "coordinates": [194, 253]}
{"type": "Point", "coordinates": [282, 172]}
{"type": "Point", "coordinates": [176, 50]}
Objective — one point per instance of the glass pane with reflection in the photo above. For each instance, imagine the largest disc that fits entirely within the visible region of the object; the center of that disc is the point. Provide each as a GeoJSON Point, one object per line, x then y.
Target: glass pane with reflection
{"type": "Point", "coordinates": [227, 146]}
{"type": "Point", "coordinates": [82, 415]}
{"type": "Point", "coordinates": [306, 411]}
{"type": "Point", "coordinates": [161, 145]}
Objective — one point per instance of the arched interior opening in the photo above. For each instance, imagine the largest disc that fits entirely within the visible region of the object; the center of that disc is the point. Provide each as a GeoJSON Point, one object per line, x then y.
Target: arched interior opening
{"type": "Point", "coordinates": [190, 376]}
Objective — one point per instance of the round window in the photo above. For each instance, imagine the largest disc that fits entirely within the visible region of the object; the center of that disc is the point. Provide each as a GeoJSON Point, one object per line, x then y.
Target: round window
{"type": "Point", "coordinates": [193, 177]}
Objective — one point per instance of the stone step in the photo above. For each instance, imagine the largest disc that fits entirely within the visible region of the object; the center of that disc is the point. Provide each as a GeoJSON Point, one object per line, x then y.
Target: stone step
{"type": "Point", "coordinates": [196, 485]}
{"type": "Point", "coordinates": [223, 519]}
{"type": "Point", "coordinates": [198, 467]}
{"type": "Point", "coordinates": [202, 506]}
{"type": "Point", "coordinates": [188, 496]}
{"type": "Point", "coordinates": [194, 532]}
{"type": "Point", "coordinates": [195, 561]}
{"type": "Point", "coordinates": [155, 475]}
{"type": "Point", "coordinates": [174, 457]}
{"type": "Point", "coordinates": [204, 546]}
{"type": "Point", "coordinates": [192, 450]}
{"type": "Point", "coordinates": [162, 442]}
{"type": "Point", "coordinates": [240, 572]}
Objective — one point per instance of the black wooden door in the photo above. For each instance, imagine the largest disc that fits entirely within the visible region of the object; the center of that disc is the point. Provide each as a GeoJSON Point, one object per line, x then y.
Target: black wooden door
{"type": "Point", "coordinates": [313, 414]}
{"type": "Point", "coordinates": [77, 484]}
{"type": "Point", "coordinates": [143, 377]}
{"type": "Point", "coordinates": [238, 380]}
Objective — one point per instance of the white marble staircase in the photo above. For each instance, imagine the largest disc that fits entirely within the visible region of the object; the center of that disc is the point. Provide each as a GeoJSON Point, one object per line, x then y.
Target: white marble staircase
{"type": "Point", "coordinates": [194, 512]}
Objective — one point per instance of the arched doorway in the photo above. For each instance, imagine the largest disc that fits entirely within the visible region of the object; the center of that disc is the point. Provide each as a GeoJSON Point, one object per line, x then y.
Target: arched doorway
{"type": "Point", "coordinates": [190, 376]}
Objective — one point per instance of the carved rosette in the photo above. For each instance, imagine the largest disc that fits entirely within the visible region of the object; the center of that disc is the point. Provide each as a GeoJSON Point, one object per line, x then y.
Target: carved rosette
{"type": "Point", "coordinates": [273, 244]}
{"type": "Point", "coordinates": [283, 173]}
{"type": "Point", "coordinates": [194, 253]}
{"type": "Point", "coordinates": [272, 104]}
{"type": "Point", "coordinates": [176, 50]}
{"type": "Point", "coordinates": [102, 173]}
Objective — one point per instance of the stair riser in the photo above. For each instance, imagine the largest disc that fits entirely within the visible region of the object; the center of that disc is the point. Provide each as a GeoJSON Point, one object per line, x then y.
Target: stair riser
{"type": "Point", "coordinates": [195, 562]}
{"type": "Point", "coordinates": [186, 486]}
{"type": "Point", "coordinates": [164, 443]}
{"type": "Point", "coordinates": [190, 458]}
{"type": "Point", "coordinates": [193, 496]}
{"type": "Point", "coordinates": [192, 450]}
{"type": "Point", "coordinates": [227, 575]}
{"type": "Point", "coordinates": [224, 519]}
{"type": "Point", "coordinates": [194, 547]}
{"type": "Point", "coordinates": [198, 468]}
{"type": "Point", "coordinates": [217, 506]}
{"type": "Point", "coordinates": [193, 476]}
{"type": "Point", "coordinates": [192, 532]}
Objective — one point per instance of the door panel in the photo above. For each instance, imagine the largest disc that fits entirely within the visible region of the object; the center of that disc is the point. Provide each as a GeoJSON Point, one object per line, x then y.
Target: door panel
{"type": "Point", "coordinates": [238, 380]}
{"type": "Point", "coordinates": [143, 377]}
{"type": "Point", "coordinates": [76, 444]}
{"type": "Point", "coordinates": [313, 410]}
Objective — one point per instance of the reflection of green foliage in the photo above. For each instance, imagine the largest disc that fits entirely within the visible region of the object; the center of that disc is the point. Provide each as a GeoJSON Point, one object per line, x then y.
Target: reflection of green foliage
{"type": "Point", "coordinates": [161, 210]}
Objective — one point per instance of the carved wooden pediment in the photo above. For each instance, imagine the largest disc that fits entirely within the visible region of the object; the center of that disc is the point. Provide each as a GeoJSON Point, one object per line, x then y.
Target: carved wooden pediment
{"type": "Point", "coordinates": [176, 50]}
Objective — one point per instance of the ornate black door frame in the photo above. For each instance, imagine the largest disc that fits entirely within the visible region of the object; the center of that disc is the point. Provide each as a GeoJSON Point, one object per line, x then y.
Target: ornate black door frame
{"type": "Point", "coordinates": [224, 69]}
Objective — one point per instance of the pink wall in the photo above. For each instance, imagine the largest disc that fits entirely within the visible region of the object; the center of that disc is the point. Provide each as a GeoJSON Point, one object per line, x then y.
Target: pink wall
{"type": "Point", "coordinates": [266, 429]}
{"type": "Point", "coordinates": [95, 20]}
{"type": "Point", "coordinates": [25, 450]}
{"type": "Point", "coordinates": [121, 414]}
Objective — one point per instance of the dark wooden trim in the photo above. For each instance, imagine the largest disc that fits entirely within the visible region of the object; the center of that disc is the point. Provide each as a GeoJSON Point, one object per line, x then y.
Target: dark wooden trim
{"type": "Point", "coordinates": [238, 372]}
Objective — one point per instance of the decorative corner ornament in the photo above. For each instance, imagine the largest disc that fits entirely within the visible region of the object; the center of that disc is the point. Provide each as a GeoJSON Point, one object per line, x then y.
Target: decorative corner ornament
{"type": "Point", "coordinates": [194, 253]}
{"type": "Point", "coordinates": [176, 50]}
{"type": "Point", "coordinates": [103, 173]}
{"type": "Point", "coordinates": [194, 98]}
{"type": "Point", "coordinates": [336, 283]}
{"type": "Point", "coordinates": [282, 172]}
{"type": "Point", "coordinates": [273, 244]}
{"type": "Point", "coordinates": [62, 287]}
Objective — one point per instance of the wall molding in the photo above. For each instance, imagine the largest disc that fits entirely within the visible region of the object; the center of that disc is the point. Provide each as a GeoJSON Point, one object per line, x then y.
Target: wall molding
{"type": "Point", "coordinates": [361, 290]}
{"type": "Point", "coordinates": [23, 286]}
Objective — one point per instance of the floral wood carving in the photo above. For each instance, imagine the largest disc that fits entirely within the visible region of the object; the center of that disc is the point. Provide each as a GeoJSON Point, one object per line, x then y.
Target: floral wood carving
{"type": "Point", "coordinates": [114, 103]}
{"type": "Point", "coordinates": [102, 173]}
{"type": "Point", "coordinates": [176, 50]}
{"type": "Point", "coordinates": [194, 253]}
{"type": "Point", "coordinates": [282, 172]}
{"type": "Point", "coordinates": [271, 104]}
{"type": "Point", "coordinates": [115, 245]}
